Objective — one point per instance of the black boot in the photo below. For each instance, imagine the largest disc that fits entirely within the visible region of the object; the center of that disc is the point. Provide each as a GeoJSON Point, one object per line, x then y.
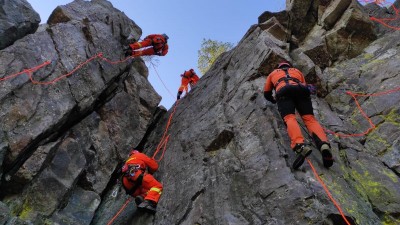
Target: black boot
{"type": "Point", "coordinates": [326, 153]}
{"type": "Point", "coordinates": [302, 151]}
{"type": "Point", "coordinates": [139, 199]}
{"type": "Point", "coordinates": [148, 205]}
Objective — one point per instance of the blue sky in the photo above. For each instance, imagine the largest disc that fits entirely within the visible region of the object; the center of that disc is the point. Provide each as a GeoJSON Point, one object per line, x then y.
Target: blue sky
{"type": "Point", "coordinates": [186, 23]}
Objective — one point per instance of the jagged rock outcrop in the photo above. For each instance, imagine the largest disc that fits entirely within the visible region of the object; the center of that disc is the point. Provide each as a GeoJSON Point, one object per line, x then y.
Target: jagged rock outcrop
{"type": "Point", "coordinates": [324, 31]}
{"type": "Point", "coordinates": [61, 141]}
{"type": "Point", "coordinates": [386, 18]}
{"type": "Point", "coordinates": [228, 159]}
{"type": "Point", "coordinates": [17, 19]}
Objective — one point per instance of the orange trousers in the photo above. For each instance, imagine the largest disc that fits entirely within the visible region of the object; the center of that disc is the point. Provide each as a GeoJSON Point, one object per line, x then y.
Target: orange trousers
{"type": "Point", "coordinates": [150, 189]}
{"type": "Point", "coordinates": [142, 44]}
{"type": "Point", "coordinates": [294, 132]}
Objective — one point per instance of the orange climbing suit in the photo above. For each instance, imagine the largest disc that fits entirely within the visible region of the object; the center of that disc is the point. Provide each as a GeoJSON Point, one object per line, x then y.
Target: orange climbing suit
{"type": "Point", "coordinates": [156, 41]}
{"type": "Point", "coordinates": [188, 77]}
{"type": "Point", "coordinates": [292, 94]}
{"type": "Point", "coordinates": [150, 188]}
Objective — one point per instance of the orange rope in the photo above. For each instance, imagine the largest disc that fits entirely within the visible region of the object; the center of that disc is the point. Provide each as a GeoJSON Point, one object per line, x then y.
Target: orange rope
{"type": "Point", "coordinates": [328, 192]}
{"type": "Point", "coordinates": [120, 210]}
{"type": "Point", "coordinates": [384, 21]}
{"type": "Point", "coordinates": [372, 125]}
{"type": "Point", "coordinates": [79, 66]}
{"type": "Point", "coordinates": [25, 71]}
{"type": "Point", "coordinates": [165, 137]}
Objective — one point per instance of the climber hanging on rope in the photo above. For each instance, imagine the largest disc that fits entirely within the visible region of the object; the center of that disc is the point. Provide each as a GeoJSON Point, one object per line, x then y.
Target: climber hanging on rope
{"type": "Point", "coordinates": [292, 93]}
{"type": "Point", "coordinates": [139, 183]}
{"type": "Point", "coordinates": [154, 44]}
{"type": "Point", "coordinates": [188, 78]}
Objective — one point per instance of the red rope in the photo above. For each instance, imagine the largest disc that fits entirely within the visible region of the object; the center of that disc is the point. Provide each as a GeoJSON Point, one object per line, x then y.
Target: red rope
{"type": "Point", "coordinates": [25, 71]}
{"type": "Point", "coordinates": [79, 66]}
{"type": "Point", "coordinates": [120, 210]}
{"type": "Point", "coordinates": [372, 125]}
{"type": "Point", "coordinates": [165, 137]}
{"type": "Point", "coordinates": [328, 192]}
{"type": "Point", "coordinates": [384, 21]}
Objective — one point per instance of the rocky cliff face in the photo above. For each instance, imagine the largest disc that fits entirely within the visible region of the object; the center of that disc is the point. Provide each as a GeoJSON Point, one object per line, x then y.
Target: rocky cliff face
{"type": "Point", "coordinates": [61, 142]}
{"type": "Point", "coordinates": [17, 19]}
{"type": "Point", "coordinates": [228, 157]}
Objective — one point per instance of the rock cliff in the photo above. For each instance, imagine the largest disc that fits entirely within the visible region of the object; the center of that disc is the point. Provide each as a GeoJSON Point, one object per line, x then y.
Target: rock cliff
{"type": "Point", "coordinates": [61, 139]}
{"type": "Point", "coordinates": [17, 19]}
{"type": "Point", "coordinates": [228, 159]}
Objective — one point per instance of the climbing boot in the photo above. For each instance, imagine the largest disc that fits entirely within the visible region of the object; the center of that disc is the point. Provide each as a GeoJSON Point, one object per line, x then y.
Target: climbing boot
{"type": "Point", "coordinates": [139, 199]}
{"type": "Point", "coordinates": [302, 152]}
{"type": "Point", "coordinates": [327, 157]}
{"type": "Point", "coordinates": [148, 206]}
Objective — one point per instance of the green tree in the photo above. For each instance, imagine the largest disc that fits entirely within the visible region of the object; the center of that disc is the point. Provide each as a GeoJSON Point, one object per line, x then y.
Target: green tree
{"type": "Point", "coordinates": [209, 52]}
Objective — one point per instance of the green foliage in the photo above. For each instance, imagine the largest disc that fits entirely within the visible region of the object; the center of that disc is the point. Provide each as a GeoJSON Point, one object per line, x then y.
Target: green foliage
{"type": "Point", "coordinates": [209, 52]}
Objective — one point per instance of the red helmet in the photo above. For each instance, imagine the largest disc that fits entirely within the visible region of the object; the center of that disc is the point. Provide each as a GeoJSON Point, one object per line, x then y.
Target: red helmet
{"type": "Point", "coordinates": [284, 63]}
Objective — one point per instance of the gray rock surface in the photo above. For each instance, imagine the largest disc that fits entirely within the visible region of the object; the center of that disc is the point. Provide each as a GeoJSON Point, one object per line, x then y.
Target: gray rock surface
{"type": "Point", "coordinates": [17, 19]}
{"type": "Point", "coordinates": [61, 142]}
{"type": "Point", "coordinates": [228, 159]}
{"type": "Point", "coordinates": [385, 17]}
{"type": "Point", "coordinates": [4, 213]}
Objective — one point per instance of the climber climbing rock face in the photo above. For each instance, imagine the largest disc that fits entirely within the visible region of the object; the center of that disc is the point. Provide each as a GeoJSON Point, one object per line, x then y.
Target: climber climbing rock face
{"type": "Point", "coordinates": [292, 93]}
{"type": "Point", "coordinates": [154, 44]}
{"type": "Point", "coordinates": [140, 183]}
{"type": "Point", "coordinates": [188, 78]}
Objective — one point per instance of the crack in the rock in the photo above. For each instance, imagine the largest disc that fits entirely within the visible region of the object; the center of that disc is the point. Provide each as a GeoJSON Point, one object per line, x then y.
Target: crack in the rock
{"type": "Point", "coordinates": [190, 207]}
{"type": "Point", "coordinates": [59, 129]}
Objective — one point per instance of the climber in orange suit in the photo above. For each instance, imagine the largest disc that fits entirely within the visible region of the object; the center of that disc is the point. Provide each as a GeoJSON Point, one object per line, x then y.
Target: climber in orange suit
{"type": "Point", "coordinates": [139, 183]}
{"type": "Point", "coordinates": [188, 78]}
{"type": "Point", "coordinates": [292, 93]}
{"type": "Point", "coordinates": [154, 44]}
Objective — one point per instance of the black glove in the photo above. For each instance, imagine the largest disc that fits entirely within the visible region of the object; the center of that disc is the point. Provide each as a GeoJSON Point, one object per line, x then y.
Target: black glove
{"type": "Point", "coordinates": [179, 95]}
{"type": "Point", "coordinates": [128, 52]}
{"type": "Point", "coordinates": [268, 96]}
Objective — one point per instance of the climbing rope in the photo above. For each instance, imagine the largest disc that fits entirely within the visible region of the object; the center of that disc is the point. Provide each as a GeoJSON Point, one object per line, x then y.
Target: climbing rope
{"type": "Point", "coordinates": [165, 137]}
{"type": "Point", "coordinates": [30, 71]}
{"type": "Point", "coordinates": [162, 81]}
{"type": "Point", "coordinates": [328, 192]}
{"type": "Point", "coordinates": [384, 4]}
{"type": "Point", "coordinates": [120, 210]}
{"type": "Point", "coordinates": [372, 125]}
{"type": "Point", "coordinates": [385, 21]}
{"type": "Point", "coordinates": [161, 145]}
{"type": "Point", "coordinates": [26, 71]}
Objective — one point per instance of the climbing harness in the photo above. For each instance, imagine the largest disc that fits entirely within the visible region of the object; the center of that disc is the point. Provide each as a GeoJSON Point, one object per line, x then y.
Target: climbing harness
{"type": "Point", "coordinates": [288, 78]}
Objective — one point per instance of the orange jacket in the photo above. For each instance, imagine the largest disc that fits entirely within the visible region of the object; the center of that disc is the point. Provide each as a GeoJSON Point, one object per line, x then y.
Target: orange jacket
{"type": "Point", "coordinates": [188, 77]}
{"type": "Point", "coordinates": [159, 43]}
{"type": "Point", "coordinates": [273, 79]}
{"type": "Point", "coordinates": [143, 161]}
